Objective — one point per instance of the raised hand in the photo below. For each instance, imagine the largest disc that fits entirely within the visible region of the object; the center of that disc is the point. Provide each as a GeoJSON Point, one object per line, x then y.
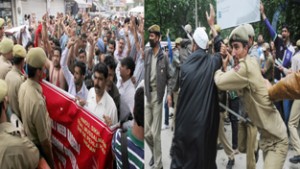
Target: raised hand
{"type": "Point", "coordinates": [211, 17]}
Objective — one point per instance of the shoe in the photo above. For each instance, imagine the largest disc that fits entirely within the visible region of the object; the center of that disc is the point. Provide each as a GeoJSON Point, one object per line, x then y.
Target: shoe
{"type": "Point", "coordinates": [230, 164]}
{"type": "Point", "coordinates": [151, 162]}
{"type": "Point", "coordinates": [256, 154]}
{"type": "Point", "coordinates": [219, 146]}
{"type": "Point", "coordinates": [295, 159]}
{"type": "Point", "coordinates": [171, 115]}
{"type": "Point", "coordinates": [164, 127]}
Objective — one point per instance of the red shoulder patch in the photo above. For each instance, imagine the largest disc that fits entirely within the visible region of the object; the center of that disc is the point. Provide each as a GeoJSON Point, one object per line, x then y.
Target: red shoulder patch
{"type": "Point", "coordinates": [237, 67]}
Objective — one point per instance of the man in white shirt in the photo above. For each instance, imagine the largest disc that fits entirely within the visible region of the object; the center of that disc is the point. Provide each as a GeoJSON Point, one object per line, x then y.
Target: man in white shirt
{"type": "Point", "coordinates": [126, 87]}
{"type": "Point", "coordinates": [75, 82]}
{"type": "Point", "coordinates": [99, 103]}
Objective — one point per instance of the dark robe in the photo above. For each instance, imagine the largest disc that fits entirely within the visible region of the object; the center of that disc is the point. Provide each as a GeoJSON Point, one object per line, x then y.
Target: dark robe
{"type": "Point", "coordinates": [194, 144]}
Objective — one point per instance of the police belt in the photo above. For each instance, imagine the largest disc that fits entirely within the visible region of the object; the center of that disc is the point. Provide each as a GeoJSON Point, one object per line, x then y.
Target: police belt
{"type": "Point", "coordinates": [247, 120]}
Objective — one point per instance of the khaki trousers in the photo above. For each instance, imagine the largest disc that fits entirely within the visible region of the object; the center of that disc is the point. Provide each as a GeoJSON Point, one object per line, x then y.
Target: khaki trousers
{"type": "Point", "coordinates": [222, 138]}
{"type": "Point", "coordinates": [153, 120]}
{"type": "Point", "coordinates": [247, 142]}
{"type": "Point", "coordinates": [274, 152]}
{"type": "Point", "coordinates": [293, 125]}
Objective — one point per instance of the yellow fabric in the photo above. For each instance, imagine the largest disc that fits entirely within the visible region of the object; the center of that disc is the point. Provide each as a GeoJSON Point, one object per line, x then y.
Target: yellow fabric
{"type": "Point", "coordinates": [5, 67]}
{"type": "Point", "coordinates": [6, 45]}
{"type": "Point", "coordinates": [34, 113]}
{"type": "Point", "coordinates": [36, 57]}
{"type": "Point", "coordinates": [14, 79]}
{"type": "Point", "coordinates": [16, 152]}
{"type": "Point", "coordinates": [3, 90]}
{"type": "Point", "coordinates": [2, 21]}
{"type": "Point", "coordinates": [19, 51]}
{"type": "Point", "coordinates": [154, 28]}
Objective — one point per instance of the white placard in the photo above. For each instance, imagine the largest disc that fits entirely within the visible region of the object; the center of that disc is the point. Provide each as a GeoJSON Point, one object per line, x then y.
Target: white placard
{"type": "Point", "coordinates": [231, 13]}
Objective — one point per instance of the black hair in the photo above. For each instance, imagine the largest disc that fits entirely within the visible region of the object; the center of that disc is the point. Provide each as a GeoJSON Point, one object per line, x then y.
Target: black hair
{"type": "Point", "coordinates": [83, 36]}
{"type": "Point", "coordinates": [29, 43]}
{"type": "Point", "coordinates": [127, 20]}
{"type": "Point", "coordinates": [81, 50]}
{"type": "Point", "coordinates": [1, 107]}
{"type": "Point", "coordinates": [286, 26]}
{"type": "Point", "coordinates": [138, 110]}
{"type": "Point", "coordinates": [112, 42]}
{"type": "Point", "coordinates": [82, 67]}
{"type": "Point", "coordinates": [129, 63]}
{"type": "Point", "coordinates": [31, 71]}
{"type": "Point", "coordinates": [17, 60]}
{"type": "Point", "coordinates": [110, 62]}
{"type": "Point", "coordinates": [109, 32]}
{"type": "Point", "coordinates": [102, 69]}
{"type": "Point", "coordinates": [55, 41]}
{"type": "Point", "coordinates": [98, 52]}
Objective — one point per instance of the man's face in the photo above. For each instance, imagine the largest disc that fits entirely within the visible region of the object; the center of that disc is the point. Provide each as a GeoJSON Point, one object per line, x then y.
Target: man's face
{"type": "Point", "coordinates": [121, 45]}
{"type": "Point", "coordinates": [99, 83]}
{"type": "Point", "coordinates": [153, 39]}
{"type": "Point", "coordinates": [82, 57]}
{"type": "Point", "coordinates": [108, 36]}
{"type": "Point", "coordinates": [56, 58]}
{"type": "Point", "coordinates": [110, 49]}
{"type": "Point", "coordinates": [260, 39]}
{"type": "Point", "coordinates": [78, 78]}
{"type": "Point", "coordinates": [285, 34]}
{"type": "Point", "coordinates": [124, 72]}
{"type": "Point", "coordinates": [238, 50]}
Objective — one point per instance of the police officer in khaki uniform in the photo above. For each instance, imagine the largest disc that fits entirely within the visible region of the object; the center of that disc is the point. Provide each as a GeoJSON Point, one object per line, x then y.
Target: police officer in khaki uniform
{"type": "Point", "coordinates": [32, 105]}
{"type": "Point", "coordinates": [15, 78]}
{"type": "Point", "coordinates": [6, 46]}
{"type": "Point", "coordinates": [15, 152]}
{"type": "Point", "coordinates": [246, 78]}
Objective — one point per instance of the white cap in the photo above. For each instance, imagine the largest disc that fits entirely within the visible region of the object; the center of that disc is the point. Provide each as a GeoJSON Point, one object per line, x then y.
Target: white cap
{"type": "Point", "coordinates": [200, 37]}
{"type": "Point", "coordinates": [188, 28]}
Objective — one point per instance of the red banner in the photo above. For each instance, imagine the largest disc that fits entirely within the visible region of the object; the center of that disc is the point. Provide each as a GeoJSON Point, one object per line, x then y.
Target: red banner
{"type": "Point", "coordinates": [79, 139]}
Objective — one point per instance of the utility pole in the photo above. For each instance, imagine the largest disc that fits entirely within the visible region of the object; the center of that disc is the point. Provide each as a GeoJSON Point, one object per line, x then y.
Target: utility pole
{"type": "Point", "coordinates": [196, 14]}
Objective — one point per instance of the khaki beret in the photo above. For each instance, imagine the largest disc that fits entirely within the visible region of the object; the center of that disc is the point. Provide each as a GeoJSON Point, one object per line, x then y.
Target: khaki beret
{"type": "Point", "coordinates": [2, 21]}
{"type": "Point", "coordinates": [178, 40]}
{"type": "Point", "coordinates": [217, 28]}
{"type": "Point", "coordinates": [154, 29]}
{"type": "Point", "coordinates": [6, 45]}
{"type": "Point", "coordinates": [3, 90]}
{"type": "Point", "coordinates": [249, 29]}
{"type": "Point", "coordinates": [19, 51]}
{"type": "Point", "coordinates": [239, 34]}
{"type": "Point", "coordinates": [36, 57]}
{"type": "Point", "coordinates": [298, 43]}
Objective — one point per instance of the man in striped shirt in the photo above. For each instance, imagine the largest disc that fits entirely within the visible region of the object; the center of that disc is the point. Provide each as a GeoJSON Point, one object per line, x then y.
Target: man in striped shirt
{"type": "Point", "coordinates": [135, 137]}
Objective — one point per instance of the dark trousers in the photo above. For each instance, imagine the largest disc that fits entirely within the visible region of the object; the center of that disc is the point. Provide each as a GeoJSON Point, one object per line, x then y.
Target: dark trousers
{"type": "Point", "coordinates": [166, 113]}
{"type": "Point", "coordinates": [234, 105]}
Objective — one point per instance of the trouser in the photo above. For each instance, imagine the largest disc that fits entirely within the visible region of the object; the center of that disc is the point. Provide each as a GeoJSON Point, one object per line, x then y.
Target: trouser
{"type": "Point", "coordinates": [153, 120]}
{"type": "Point", "coordinates": [247, 142]}
{"type": "Point", "coordinates": [287, 104]}
{"type": "Point", "coordinates": [234, 105]}
{"type": "Point", "coordinates": [175, 99]}
{"type": "Point", "coordinates": [222, 138]}
{"type": "Point", "coordinates": [293, 125]}
{"type": "Point", "coordinates": [274, 152]}
{"type": "Point", "coordinates": [166, 112]}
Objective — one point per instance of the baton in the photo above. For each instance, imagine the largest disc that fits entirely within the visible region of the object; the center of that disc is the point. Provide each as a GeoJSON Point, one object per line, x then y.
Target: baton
{"type": "Point", "coordinates": [234, 113]}
{"type": "Point", "coordinates": [188, 35]}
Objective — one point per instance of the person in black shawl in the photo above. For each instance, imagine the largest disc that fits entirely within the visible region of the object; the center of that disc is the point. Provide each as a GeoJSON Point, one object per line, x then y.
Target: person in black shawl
{"type": "Point", "coordinates": [197, 120]}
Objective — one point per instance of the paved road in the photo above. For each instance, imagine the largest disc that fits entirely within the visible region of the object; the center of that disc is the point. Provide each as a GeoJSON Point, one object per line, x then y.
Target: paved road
{"type": "Point", "coordinates": [240, 159]}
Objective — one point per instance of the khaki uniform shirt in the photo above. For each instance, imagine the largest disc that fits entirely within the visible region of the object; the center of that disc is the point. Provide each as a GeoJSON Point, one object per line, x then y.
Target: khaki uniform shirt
{"type": "Point", "coordinates": [14, 79]}
{"type": "Point", "coordinates": [16, 152]}
{"type": "Point", "coordinates": [5, 67]}
{"type": "Point", "coordinates": [246, 78]}
{"type": "Point", "coordinates": [269, 68]}
{"type": "Point", "coordinates": [34, 113]}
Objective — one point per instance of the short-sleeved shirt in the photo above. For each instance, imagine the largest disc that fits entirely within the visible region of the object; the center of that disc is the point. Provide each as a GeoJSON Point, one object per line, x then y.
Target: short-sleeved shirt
{"type": "Point", "coordinates": [135, 148]}
{"type": "Point", "coordinates": [34, 113]}
{"type": "Point", "coordinates": [5, 67]}
{"type": "Point", "coordinates": [105, 106]}
{"type": "Point", "coordinates": [16, 151]}
{"type": "Point", "coordinates": [14, 79]}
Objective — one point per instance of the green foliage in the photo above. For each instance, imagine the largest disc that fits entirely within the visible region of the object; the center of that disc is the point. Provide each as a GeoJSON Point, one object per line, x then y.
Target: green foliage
{"type": "Point", "coordinates": [171, 14]}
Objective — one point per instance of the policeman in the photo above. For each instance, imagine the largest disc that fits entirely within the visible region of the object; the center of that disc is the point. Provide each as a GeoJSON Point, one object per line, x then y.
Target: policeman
{"type": "Point", "coordinates": [15, 151]}
{"type": "Point", "coordinates": [15, 78]}
{"type": "Point", "coordinates": [246, 78]}
{"type": "Point", "coordinates": [32, 105]}
{"type": "Point", "coordinates": [6, 46]}
{"type": "Point", "coordinates": [2, 22]}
